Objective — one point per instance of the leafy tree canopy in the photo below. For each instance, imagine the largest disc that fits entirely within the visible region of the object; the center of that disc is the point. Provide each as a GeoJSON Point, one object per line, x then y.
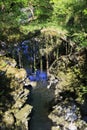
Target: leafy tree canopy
{"type": "Point", "coordinates": [66, 13]}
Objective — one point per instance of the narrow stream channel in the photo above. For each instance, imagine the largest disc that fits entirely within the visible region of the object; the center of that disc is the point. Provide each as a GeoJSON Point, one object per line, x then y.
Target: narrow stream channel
{"type": "Point", "coordinates": [39, 101]}
{"type": "Point", "coordinates": [39, 95]}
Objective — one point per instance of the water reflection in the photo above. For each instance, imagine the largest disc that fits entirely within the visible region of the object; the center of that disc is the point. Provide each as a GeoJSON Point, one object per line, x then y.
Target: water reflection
{"type": "Point", "coordinates": [39, 95]}
{"type": "Point", "coordinates": [39, 119]}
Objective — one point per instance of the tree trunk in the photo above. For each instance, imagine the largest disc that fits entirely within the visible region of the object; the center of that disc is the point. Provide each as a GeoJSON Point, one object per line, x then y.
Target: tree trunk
{"type": "Point", "coordinates": [57, 53]}
{"type": "Point", "coordinates": [34, 62]}
{"type": "Point", "coordinates": [47, 63]}
{"type": "Point", "coordinates": [41, 64]}
{"type": "Point", "coordinates": [19, 58]}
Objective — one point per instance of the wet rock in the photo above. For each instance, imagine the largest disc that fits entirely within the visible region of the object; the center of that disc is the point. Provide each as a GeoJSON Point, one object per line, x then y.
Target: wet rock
{"type": "Point", "coordinates": [21, 75]}
{"type": "Point", "coordinates": [72, 126]}
{"type": "Point", "coordinates": [22, 114]}
{"type": "Point", "coordinates": [55, 128]}
{"type": "Point", "coordinates": [64, 113]}
{"type": "Point", "coordinates": [2, 53]}
{"type": "Point", "coordinates": [20, 99]}
{"type": "Point", "coordinates": [52, 82]}
{"type": "Point", "coordinates": [70, 114]}
{"type": "Point", "coordinates": [26, 82]}
{"type": "Point", "coordinates": [8, 118]}
{"type": "Point", "coordinates": [13, 96]}
{"type": "Point", "coordinates": [2, 48]}
{"type": "Point", "coordinates": [18, 74]}
{"type": "Point", "coordinates": [11, 62]}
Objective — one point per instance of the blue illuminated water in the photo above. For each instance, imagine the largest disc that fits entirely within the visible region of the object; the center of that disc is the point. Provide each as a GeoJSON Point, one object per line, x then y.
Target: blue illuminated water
{"type": "Point", "coordinates": [38, 76]}
{"type": "Point", "coordinates": [28, 52]}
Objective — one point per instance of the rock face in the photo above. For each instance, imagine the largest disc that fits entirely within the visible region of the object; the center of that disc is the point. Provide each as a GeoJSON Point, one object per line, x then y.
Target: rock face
{"type": "Point", "coordinates": [13, 113]}
{"type": "Point", "coordinates": [69, 108]}
{"type": "Point", "coordinates": [62, 94]}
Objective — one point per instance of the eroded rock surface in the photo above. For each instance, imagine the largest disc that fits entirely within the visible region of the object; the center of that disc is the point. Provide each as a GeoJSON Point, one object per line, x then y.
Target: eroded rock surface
{"type": "Point", "coordinates": [69, 107]}
{"type": "Point", "coordinates": [13, 113]}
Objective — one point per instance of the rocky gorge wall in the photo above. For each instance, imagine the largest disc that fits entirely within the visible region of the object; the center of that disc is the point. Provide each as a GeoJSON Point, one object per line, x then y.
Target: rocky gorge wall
{"type": "Point", "coordinates": [14, 112]}
{"type": "Point", "coordinates": [67, 102]}
{"type": "Point", "coordinates": [69, 108]}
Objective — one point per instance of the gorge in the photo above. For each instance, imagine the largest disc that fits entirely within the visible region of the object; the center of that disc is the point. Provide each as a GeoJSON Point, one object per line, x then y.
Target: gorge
{"type": "Point", "coordinates": [43, 64]}
{"type": "Point", "coordinates": [40, 84]}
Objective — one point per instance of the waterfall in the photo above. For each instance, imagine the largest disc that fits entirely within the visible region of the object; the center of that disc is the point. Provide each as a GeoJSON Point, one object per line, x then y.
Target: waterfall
{"type": "Point", "coordinates": [28, 56]}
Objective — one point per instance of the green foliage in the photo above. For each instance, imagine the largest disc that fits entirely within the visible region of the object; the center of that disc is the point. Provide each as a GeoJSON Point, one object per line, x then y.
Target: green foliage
{"type": "Point", "coordinates": [80, 38]}
{"type": "Point", "coordinates": [43, 9]}
{"type": "Point", "coordinates": [66, 13]}
{"type": "Point", "coordinates": [10, 13]}
{"type": "Point", "coordinates": [69, 12]}
{"type": "Point", "coordinates": [84, 89]}
{"type": "Point", "coordinates": [85, 11]}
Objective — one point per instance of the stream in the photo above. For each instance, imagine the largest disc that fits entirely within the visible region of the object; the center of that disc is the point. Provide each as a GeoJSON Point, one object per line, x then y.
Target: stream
{"type": "Point", "coordinates": [39, 119]}
{"type": "Point", "coordinates": [39, 96]}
